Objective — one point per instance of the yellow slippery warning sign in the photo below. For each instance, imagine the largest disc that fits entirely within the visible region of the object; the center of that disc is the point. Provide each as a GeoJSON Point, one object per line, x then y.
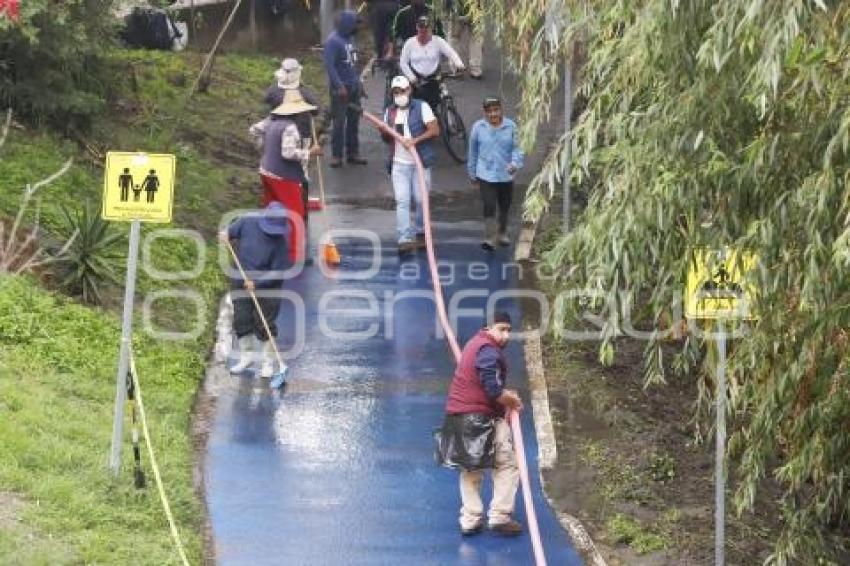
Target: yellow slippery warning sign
{"type": "Point", "coordinates": [138, 186]}
{"type": "Point", "coordinates": [718, 285]}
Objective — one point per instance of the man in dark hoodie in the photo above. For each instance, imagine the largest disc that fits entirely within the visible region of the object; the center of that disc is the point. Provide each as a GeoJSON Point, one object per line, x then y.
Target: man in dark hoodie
{"type": "Point", "coordinates": [340, 60]}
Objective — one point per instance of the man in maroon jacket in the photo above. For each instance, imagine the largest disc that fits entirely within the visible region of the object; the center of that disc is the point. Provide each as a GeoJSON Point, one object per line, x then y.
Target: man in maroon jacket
{"type": "Point", "coordinates": [475, 435]}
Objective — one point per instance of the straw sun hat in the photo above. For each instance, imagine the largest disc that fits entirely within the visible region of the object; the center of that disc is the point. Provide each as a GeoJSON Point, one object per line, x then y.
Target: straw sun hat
{"type": "Point", "coordinates": [293, 103]}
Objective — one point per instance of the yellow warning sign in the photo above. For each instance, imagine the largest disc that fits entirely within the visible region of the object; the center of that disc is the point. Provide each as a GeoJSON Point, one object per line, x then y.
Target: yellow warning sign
{"type": "Point", "coordinates": [138, 186]}
{"type": "Point", "coordinates": [719, 286]}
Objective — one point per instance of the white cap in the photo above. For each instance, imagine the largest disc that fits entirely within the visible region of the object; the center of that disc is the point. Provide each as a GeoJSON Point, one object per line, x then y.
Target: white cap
{"type": "Point", "coordinates": [400, 82]}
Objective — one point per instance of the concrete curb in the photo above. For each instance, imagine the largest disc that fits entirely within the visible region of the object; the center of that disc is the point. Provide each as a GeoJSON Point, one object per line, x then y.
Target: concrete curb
{"type": "Point", "coordinates": [547, 449]}
{"type": "Point", "coordinates": [523, 246]}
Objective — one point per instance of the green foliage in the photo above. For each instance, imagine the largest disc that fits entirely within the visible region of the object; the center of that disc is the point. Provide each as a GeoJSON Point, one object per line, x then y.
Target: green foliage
{"type": "Point", "coordinates": [717, 124]}
{"type": "Point", "coordinates": [93, 259]}
{"type": "Point", "coordinates": [662, 468]}
{"type": "Point", "coordinates": [53, 65]}
{"type": "Point", "coordinates": [57, 383]}
{"type": "Point", "coordinates": [628, 530]}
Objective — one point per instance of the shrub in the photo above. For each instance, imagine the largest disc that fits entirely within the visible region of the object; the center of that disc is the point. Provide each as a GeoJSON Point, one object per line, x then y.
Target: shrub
{"type": "Point", "coordinates": [52, 64]}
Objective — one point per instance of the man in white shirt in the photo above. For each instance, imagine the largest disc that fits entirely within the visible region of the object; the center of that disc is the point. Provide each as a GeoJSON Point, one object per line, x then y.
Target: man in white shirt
{"type": "Point", "coordinates": [414, 120]}
{"type": "Point", "coordinates": [420, 61]}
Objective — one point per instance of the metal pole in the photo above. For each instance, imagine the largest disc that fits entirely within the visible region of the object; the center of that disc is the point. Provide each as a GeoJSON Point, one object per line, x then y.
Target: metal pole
{"type": "Point", "coordinates": [720, 453]}
{"type": "Point", "coordinates": [252, 17]}
{"type": "Point", "coordinates": [326, 19]}
{"type": "Point", "coordinates": [568, 112]}
{"type": "Point", "coordinates": [124, 355]}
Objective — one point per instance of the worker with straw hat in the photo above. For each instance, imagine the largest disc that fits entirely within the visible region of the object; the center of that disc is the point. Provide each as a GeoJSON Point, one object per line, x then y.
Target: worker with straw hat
{"type": "Point", "coordinates": [261, 255]}
{"type": "Point", "coordinates": [288, 77]}
{"type": "Point", "coordinates": [285, 152]}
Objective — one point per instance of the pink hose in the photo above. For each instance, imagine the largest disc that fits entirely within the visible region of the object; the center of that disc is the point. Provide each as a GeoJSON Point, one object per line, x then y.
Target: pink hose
{"type": "Point", "coordinates": [513, 416]}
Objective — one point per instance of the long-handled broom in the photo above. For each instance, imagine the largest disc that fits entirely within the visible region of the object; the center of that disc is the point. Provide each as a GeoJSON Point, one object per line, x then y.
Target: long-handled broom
{"type": "Point", "coordinates": [329, 251]}
{"type": "Point", "coordinates": [279, 378]}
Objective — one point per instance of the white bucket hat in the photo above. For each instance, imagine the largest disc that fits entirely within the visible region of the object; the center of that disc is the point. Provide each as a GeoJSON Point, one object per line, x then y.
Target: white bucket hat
{"type": "Point", "coordinates": [289, 74]}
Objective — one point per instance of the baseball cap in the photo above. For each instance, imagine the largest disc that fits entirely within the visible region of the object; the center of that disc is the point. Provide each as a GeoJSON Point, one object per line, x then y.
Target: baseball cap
{"type": "Point", "coordinates": [491, 101]}
{"type": "Point", "coordinates": [400, 81]}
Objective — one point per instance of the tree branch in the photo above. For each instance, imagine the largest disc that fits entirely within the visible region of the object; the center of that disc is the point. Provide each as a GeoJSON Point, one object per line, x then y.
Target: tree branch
{"type": "Point", "coordinates": [29, 191]}
{"type": "Point", "coordinates": [6, 127]}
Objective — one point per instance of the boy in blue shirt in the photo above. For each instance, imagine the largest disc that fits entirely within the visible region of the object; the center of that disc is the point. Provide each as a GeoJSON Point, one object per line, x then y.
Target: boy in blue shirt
{"type": "Point", "coordinates": [493, 160]}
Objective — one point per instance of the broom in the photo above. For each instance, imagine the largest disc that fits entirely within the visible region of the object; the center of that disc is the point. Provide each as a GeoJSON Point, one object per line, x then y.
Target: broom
{"type": "Point", "coordinates": [279, 378]}
{"type": "Point", "coordinates": [329, 251]}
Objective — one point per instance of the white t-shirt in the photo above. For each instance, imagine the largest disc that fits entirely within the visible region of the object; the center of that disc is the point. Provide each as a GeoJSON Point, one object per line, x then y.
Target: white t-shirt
{"type": "Point", "coordinates": [400, 153]}
{"type": "Point", "coordinates": [425, 59]}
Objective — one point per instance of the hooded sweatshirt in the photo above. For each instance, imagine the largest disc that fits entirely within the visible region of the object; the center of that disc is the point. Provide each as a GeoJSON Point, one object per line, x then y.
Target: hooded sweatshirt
{"type": "Point", "coordinates": [339, 53]}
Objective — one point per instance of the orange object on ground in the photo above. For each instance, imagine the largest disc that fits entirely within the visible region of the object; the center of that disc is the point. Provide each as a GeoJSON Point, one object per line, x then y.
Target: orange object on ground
{"type": "Point", "coordinates": [288, 193]}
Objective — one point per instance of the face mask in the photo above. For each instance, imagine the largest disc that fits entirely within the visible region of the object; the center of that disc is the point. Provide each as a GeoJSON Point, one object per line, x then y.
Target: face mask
{"type": "Point", "coordinates": [401, 100]}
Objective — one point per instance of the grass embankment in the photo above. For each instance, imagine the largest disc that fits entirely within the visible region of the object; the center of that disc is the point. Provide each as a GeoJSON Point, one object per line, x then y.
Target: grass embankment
{"type": "Point", "coordinates": [58, 504]}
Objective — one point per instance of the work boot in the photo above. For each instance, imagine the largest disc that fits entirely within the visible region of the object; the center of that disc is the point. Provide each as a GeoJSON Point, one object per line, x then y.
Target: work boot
{"type": "Point", "coordinates": [509, 528]}
{"type": "Point", "coordinates": [406, 247]}
{"type": "Point", "coordinates": [473, 530]}
{"type": "Point", "coordinates": [420, 240]}
{"type": "Point", "coordinates": [489, 242]}
{"type": "Point", "coordinates": [268, 359]}
{"type": "Point", "coordinates": [246, 354]}
{"type": "Point", "coordinates": [503, 239]}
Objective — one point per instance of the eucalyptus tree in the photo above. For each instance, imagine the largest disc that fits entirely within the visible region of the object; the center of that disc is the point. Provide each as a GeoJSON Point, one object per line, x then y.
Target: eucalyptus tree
{"type": "Point", "coordinates": [710, 124]}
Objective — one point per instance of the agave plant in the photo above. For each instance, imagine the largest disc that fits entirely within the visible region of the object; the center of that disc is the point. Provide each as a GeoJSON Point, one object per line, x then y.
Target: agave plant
{"type": "Point", "coordinates": [93, 259]}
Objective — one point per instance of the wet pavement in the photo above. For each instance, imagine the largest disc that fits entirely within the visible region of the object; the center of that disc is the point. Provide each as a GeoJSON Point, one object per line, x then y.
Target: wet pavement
{"type": "Point", "coordinates": [338, 469]}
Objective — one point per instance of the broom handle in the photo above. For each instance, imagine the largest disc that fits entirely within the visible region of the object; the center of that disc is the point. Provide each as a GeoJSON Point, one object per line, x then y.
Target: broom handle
{"type": "Point", "coordinates": [319, 173]}
{"type": "Point", "coordinates": [318, 163]}
{"type": "Point", "coordinates": [256, 304]}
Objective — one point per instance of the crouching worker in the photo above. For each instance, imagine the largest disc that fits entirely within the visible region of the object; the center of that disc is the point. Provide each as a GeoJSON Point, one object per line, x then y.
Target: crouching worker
{"type": "Point", "coordinates": [262, 253]}
{"type": "Point", "coordinates": [476, 436]}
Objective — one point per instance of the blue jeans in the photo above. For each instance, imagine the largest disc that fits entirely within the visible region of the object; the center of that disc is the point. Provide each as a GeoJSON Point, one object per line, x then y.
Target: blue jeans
{"type": "Point", "coordinates": [406, 185]}
{"type": "Point", "coordinates": [345, 124]}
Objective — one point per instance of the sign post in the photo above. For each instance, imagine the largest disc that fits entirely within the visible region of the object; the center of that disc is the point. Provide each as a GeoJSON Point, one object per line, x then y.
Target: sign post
{"type": "Point", "coordinates": [127, 176]}
{"type": "Point", "coordinates": [718, 289]}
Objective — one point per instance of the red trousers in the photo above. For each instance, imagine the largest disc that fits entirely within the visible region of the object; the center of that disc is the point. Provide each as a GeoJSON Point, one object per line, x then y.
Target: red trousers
{"type": "Point", "coordinates": [289, 194]}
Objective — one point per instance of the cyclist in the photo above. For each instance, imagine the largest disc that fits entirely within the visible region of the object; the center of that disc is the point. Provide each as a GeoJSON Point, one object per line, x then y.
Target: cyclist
{"type": "Point", "coordinates": [404, 23]}
{"type": "Point", "coordinates": [420, 62]}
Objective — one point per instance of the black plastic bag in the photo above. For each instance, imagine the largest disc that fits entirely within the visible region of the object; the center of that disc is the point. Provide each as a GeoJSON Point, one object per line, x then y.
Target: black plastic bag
{"type": "Point", "coordinates": [466, 442]}
{"type": "Point", "coordinates": [150, 28]}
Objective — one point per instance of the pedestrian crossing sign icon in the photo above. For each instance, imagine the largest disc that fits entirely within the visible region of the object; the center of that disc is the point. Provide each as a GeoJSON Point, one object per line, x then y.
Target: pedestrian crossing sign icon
{"type": "Point", "coordinates": [138, 186]}
{"type": "Point", "coordinates": [719, 286]}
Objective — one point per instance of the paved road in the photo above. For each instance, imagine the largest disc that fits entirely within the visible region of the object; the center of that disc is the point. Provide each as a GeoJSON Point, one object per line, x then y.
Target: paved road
{"type": "Point", "coordinates": [339, 469]}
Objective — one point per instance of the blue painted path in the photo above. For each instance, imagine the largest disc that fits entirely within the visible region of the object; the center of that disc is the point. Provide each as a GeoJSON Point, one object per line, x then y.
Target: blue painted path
{"type": "Point", "coordinates": [339, 468]}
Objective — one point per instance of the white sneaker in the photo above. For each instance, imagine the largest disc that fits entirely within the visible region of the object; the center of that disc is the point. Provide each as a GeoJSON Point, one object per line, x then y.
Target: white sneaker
{"type": "Point", "coordinates": [247, 345]}
{"type": "Point", "coordinates": [268, 359]}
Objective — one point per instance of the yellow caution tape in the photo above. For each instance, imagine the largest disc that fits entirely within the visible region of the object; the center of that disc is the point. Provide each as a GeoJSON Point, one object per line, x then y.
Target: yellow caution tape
{"type": "Point", "coordinates": [165, 505]}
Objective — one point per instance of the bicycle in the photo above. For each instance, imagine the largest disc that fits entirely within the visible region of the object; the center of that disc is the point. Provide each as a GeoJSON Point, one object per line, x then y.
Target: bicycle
{"type": "Point", "coordinates": [452, 128]}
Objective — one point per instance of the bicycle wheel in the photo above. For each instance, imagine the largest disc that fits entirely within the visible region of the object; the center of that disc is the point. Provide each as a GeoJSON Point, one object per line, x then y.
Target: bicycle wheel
{"type": "Point", "coordinates": [453, 131]}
